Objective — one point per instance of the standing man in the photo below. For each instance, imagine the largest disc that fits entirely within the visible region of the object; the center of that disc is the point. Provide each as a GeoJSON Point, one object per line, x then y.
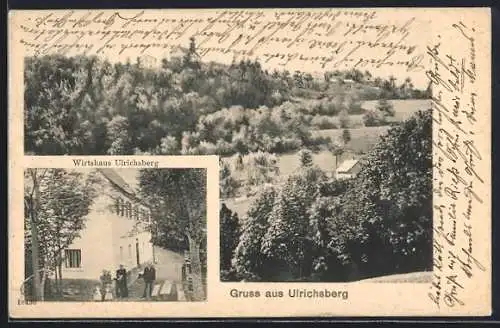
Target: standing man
{"type": "Point", "coordinates": [121, 282]}
{"type": "Point", "coordinates": [149, 277]}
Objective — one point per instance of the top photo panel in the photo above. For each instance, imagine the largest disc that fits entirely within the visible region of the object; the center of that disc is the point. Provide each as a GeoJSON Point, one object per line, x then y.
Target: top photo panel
{"type": "Point", "coordinates": [224, 82]}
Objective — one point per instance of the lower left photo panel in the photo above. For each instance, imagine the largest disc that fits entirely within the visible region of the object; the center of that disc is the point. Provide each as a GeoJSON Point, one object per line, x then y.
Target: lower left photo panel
{"type": "Point", "coordinates": [115, 235]}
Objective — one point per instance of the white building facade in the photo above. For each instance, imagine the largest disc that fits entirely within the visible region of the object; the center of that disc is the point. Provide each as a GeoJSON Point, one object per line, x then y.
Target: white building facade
{"type": "Point", "coordinates": [116, 232]}
{"type": "Point", "coordinates": [348, 169]}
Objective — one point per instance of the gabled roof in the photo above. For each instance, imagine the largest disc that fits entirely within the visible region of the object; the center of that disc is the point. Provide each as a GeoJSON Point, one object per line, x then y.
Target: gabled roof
{"type": "Point", "coordinates": [117, 180]}
{"type": "Point", "coordinates": [347, 165]}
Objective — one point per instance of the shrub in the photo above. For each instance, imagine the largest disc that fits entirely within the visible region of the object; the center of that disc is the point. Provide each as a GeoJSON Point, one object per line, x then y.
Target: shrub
{"type": "Point", "coordinates": [372, 118]}
{"type": "Point", "coordinates": [306, 159]}
{"type": "Point", "coordinates": [206, 148]}
{"type": "Point", "coordinates": [227, 183]}
{"type": "Point", "coordinates": [286, 144]}
{"type": "Point", "coordinates": [169, 146]}
{"type": "Point", "coordinates": [346, 136]}
{"type": "Point", "coordinates": [223, 148]}
{"type": "Point", "coordinates": [323, 122]}
{"type": "Point", "coordinates": [261, 167]}
{"type": "Point", "coordinates": [344, 119]}
{"type": "Point", "coordinates": [385, 107]}
{"type": "Point", "coordinates": [315, 142]}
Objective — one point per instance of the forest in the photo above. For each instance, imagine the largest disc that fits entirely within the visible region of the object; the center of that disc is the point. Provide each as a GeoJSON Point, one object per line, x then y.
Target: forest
{"type": "Point", "coordinates": [315, 228]}
{"type": "Point", "coordinates": [88, 106]}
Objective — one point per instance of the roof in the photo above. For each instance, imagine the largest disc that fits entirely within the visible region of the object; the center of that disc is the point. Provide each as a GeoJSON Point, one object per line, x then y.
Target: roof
{"type": "Point", "coordinates": [347, 165]}
{"type": "Point", "coordinates": [117, 180]}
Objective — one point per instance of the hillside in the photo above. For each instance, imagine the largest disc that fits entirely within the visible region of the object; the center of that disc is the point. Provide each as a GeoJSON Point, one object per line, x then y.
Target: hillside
{"type": "Point", "coordinates": [413, 277]}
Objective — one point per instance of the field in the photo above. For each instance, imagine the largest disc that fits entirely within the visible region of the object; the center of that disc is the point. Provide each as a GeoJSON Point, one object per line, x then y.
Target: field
{"type": "Point", "coordinates": [288, 164]}
{"type": "Point", "coordinates": [362, 140]}
{"type": "Point", "coordinates": [239, 205]}
{"type": "Point", "coordinates": [404, 108]}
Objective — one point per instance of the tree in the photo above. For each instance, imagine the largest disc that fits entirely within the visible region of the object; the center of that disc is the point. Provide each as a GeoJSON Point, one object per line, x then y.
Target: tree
{"type": "Point", "coordinates": [31, 204]}
{"type": "Point", "coordinates": [227, 184]}
{"type": "Point", "coordinates": [53, 86]}
{"type": "Point", "coordinates": [371, 118]}
{"type": "Point", "coordinates": [57, 203]}
{"type": "Point", "coordinates": [287, 243]}
{"type": "Point", "coordinates": [190, 58]}
{"type": "Point", "coordinates": [169, 146]}
{"type": "Point", "coordinates": [248, 256]}
{"type": "Point", "coordinates": [346, 136]}
{"type": "Point", "coordinates": [377, 117]}
{"type": "Point", "coordinates": [306, 159]}
{"type": "Point", "coordinates": [260, 167]}
{"type": "Point", "coordinates": [229, 236]}
{"type": "Point", "coordinates": [407, 88]}
{"type": "Point", "coordinates": [392, 81]}
{"type": "Point", "coordinates": [385, 108]}
{"type": "Point", "coordinates": [179, 197]}
{"type": "Point", "coordinates": [338, 151]}
{"type": "Point", "coordinates": [383, 224]}
{"type": "Point", "coordinates": [344, 119]}
{"type": "Point", "coordinates": [120, 143]}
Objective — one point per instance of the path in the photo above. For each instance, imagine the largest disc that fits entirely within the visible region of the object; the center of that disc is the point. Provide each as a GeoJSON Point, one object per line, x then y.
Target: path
{"type": "Point", "coordinates": [168, 277]}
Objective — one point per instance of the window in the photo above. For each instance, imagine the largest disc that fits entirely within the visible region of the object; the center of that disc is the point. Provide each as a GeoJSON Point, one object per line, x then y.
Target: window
{"type": "Point", "coordinates": [129, 250]}
{"type": "Point", "coordinates": [128, 210]}
{"type": "Point", "coordinates": [121, 252]}
{"type": "Point", "coordinates": [119, 206]}
{"type": "Point", "coordinates": [136, 213]}
{"type": "Point", "coordinates": [147, 216]}
{"type": "Point", "coordinates": [73, 258]}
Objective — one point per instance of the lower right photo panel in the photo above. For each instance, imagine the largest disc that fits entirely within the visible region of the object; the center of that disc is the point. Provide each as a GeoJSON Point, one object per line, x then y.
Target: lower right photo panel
{"type": "Point", "coordinates": [362, 211]}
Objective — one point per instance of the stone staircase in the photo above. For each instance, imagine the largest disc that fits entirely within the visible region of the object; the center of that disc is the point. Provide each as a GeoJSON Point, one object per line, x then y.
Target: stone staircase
{"type": "Point", "coordinates": [163, 290]}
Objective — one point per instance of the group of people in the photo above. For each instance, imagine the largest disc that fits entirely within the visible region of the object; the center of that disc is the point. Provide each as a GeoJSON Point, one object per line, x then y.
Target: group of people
{"type": "Point", "coordinates": [148, 275]}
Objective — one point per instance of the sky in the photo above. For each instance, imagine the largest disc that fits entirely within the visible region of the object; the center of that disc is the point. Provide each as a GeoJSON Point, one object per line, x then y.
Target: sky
{"type": "Point", "coordinates": [424, 27]}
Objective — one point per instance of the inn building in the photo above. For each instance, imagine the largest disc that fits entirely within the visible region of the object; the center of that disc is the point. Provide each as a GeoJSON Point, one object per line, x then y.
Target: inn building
{"type": "Point", "coordinates": [116, 232]}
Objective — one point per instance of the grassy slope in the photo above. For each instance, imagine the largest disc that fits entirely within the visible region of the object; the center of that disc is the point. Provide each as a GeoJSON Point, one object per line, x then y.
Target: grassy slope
{"type": "Point", "coordinates": [404, 108]}
{"type": "Point", "coordinates": [362, 140]}
{"type": "Point", "coordinates": [413, 277]}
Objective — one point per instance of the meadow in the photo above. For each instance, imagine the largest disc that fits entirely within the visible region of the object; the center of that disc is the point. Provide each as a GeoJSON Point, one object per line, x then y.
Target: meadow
{"type": "Point", "coordinates": [403, 108]}
{"type": "Point", "coordinates": [362, 140]}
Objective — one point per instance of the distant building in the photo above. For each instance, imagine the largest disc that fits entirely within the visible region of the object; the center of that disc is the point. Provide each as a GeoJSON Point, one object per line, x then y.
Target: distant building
{"type": "Point", "coordinates": [147, 61]}
{"type": "Point", "coordinates": [115, 232]}
{"type": "Point", "coordinates": [177, 52]}
{"type": "Point", "coordinates": [348, 169]}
